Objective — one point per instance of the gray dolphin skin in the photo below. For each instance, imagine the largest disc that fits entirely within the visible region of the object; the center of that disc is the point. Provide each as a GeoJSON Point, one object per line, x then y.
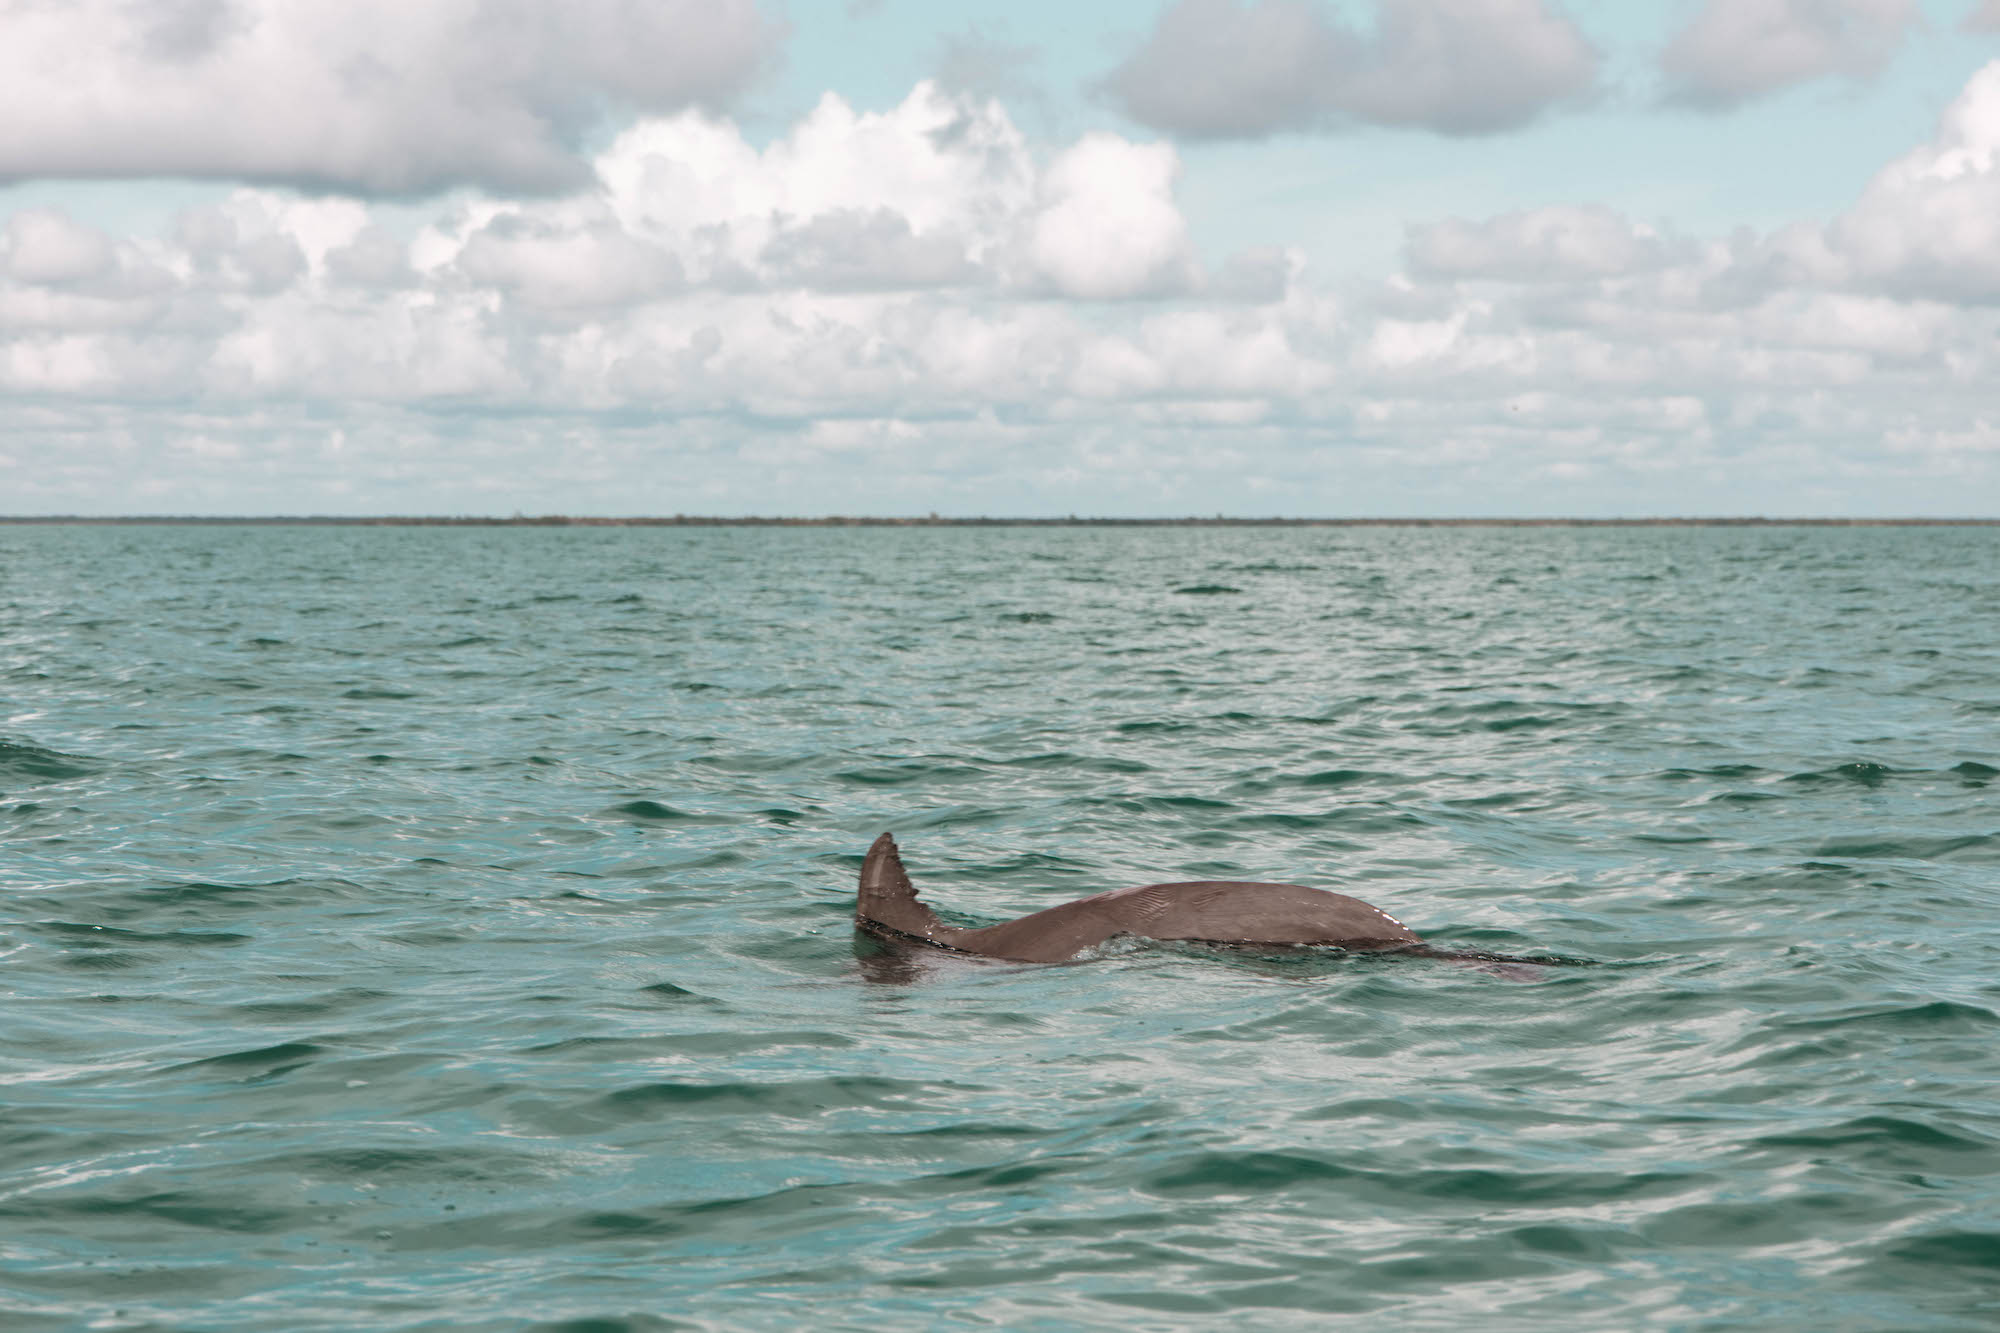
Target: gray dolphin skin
{"type": "Point", "coordinates": [1214, 911]}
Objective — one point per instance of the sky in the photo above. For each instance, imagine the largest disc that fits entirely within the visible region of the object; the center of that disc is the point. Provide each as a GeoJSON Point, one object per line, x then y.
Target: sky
{"type": "Point", "coordinates": [1373, 258]}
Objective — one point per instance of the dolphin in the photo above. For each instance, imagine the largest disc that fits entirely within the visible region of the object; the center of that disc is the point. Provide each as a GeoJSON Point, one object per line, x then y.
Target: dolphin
{"type": "Point", "coordinates": [1213, 911]}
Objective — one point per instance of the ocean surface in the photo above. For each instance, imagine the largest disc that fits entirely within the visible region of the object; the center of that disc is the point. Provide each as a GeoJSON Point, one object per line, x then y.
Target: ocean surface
{"type": "Point", "coordinates": [451, 929]}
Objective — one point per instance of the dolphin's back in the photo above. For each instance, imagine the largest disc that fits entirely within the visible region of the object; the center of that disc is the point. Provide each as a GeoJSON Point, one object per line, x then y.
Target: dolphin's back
{"type": "Point", "coordinates": [1218, 911]}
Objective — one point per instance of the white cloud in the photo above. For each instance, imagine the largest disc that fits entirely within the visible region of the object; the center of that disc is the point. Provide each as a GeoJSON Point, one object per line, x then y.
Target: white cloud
{"type": "Point", "coordinates": [1925, 232]}
{"type": "Point", "coordinates": [1470, 66]}
{"type": "Point", "coordinates": [853, 250]}
{"type": "Point", "coordinates": [545, 264]}
{"type": "Point", "coordinates": [261, 242]}
{"type": "Point", "coordinates": [56, 273]}
{"type": "Point", "coordinates": [373, 258]}
{"type": "Point", "coordinates": [917, 287]}
{"type": "Point", "coordinates": [1984, 18]}
{"type": "Point", "coordinates": [1108, 227]}
{"type": "Point", "coordinates": [938, 191]}
{"type": "Point", "coordinates": [1828, 353]}
{"type": "Point", "coordinates": [1929, 223]}
{"type": "Point", "coordinates": [1542, 244]}
{"type": "Point", "coordinates": [702, 272]}
{"type": "Point", "coordinates": [1216, 70]}
{"type": "Point", "coordinates": [375, 96]}
{"type": "Point", "coordinates": [45, 248]}
{"type": "Point", "coordinates": [1981, 437]}
{"type": "Point", "coordinates": [1209, 354]}
{"type": "Point", "coordinates": [954, 173]}
{"type": "Point", "coordinates": [1734, 51]}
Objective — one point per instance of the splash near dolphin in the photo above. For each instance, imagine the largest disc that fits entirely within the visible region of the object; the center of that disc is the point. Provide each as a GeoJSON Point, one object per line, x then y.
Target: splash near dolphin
{"type": "Point", "coordinates": [1209, 911]}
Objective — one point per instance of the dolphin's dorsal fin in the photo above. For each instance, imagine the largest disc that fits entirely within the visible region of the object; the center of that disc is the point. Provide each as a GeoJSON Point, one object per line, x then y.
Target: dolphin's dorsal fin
{"type": "Point", "coordinates": [888, 898]}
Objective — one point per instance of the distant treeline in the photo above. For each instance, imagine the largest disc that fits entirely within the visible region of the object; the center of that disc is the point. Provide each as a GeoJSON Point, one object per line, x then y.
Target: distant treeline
{"type": "Point", "coordinates": [934, 521]}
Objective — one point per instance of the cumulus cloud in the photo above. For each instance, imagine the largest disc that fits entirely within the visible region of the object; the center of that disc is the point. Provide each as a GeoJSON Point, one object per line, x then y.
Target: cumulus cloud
{"type": "Point", "coordinates": [954, 173]}
{"type": "Point", "coordinates": [1929, 223]}
{"type": "Point", "coordinates": [1926, 228]}
{"type": "Point", "coordinates": [862, 249]}
{"type": "Point", "coordinates": [374, 258]}
{"type": "Point", "coordinates": [1985, 18]}
{"type": "Point", "coordinates": [46, 248]}
{"type": "Point", "coordinates": [1543, 244]}
{"type": "Point", "coordinates": [373, 96]}
{"type": "Point", "coordinates": [918, 284]}
{"type": "Point", "coordinates": [547, 264]}
{"type": "Point", "coordinates": [1218, 69]}
{"type": "Point", "coordinates": [1600, 347]}
{"type": "Point", "coordinates": [1108, 227]}
{"type": "Point", "coordinates": [261, 242]}
{"type": "Point", "coordinates": [940, 190]}
{"type": "Point", "coordinates": [1734, 51]}
{"type": "Point", "coordinates": [820, 270]}
{"type": "Point", "coordinates": [77, 273]}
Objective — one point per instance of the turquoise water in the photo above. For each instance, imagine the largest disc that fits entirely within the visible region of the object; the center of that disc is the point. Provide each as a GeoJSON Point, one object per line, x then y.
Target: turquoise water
{"type": "Point", "coordinates": [450, 929]}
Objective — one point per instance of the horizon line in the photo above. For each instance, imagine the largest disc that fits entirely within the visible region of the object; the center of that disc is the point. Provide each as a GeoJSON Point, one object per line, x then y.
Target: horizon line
{"type": "Point", "coordinates": [941, 521]}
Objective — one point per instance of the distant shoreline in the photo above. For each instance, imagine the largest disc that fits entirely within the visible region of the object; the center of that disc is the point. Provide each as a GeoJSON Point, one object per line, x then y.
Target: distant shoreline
{"type": "Point", "coordinates": [933, 521]}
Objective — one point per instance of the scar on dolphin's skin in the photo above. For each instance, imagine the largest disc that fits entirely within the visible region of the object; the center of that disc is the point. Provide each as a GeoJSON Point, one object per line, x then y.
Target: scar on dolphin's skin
{"type": "Point", "coordinates": [1208, 911]}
